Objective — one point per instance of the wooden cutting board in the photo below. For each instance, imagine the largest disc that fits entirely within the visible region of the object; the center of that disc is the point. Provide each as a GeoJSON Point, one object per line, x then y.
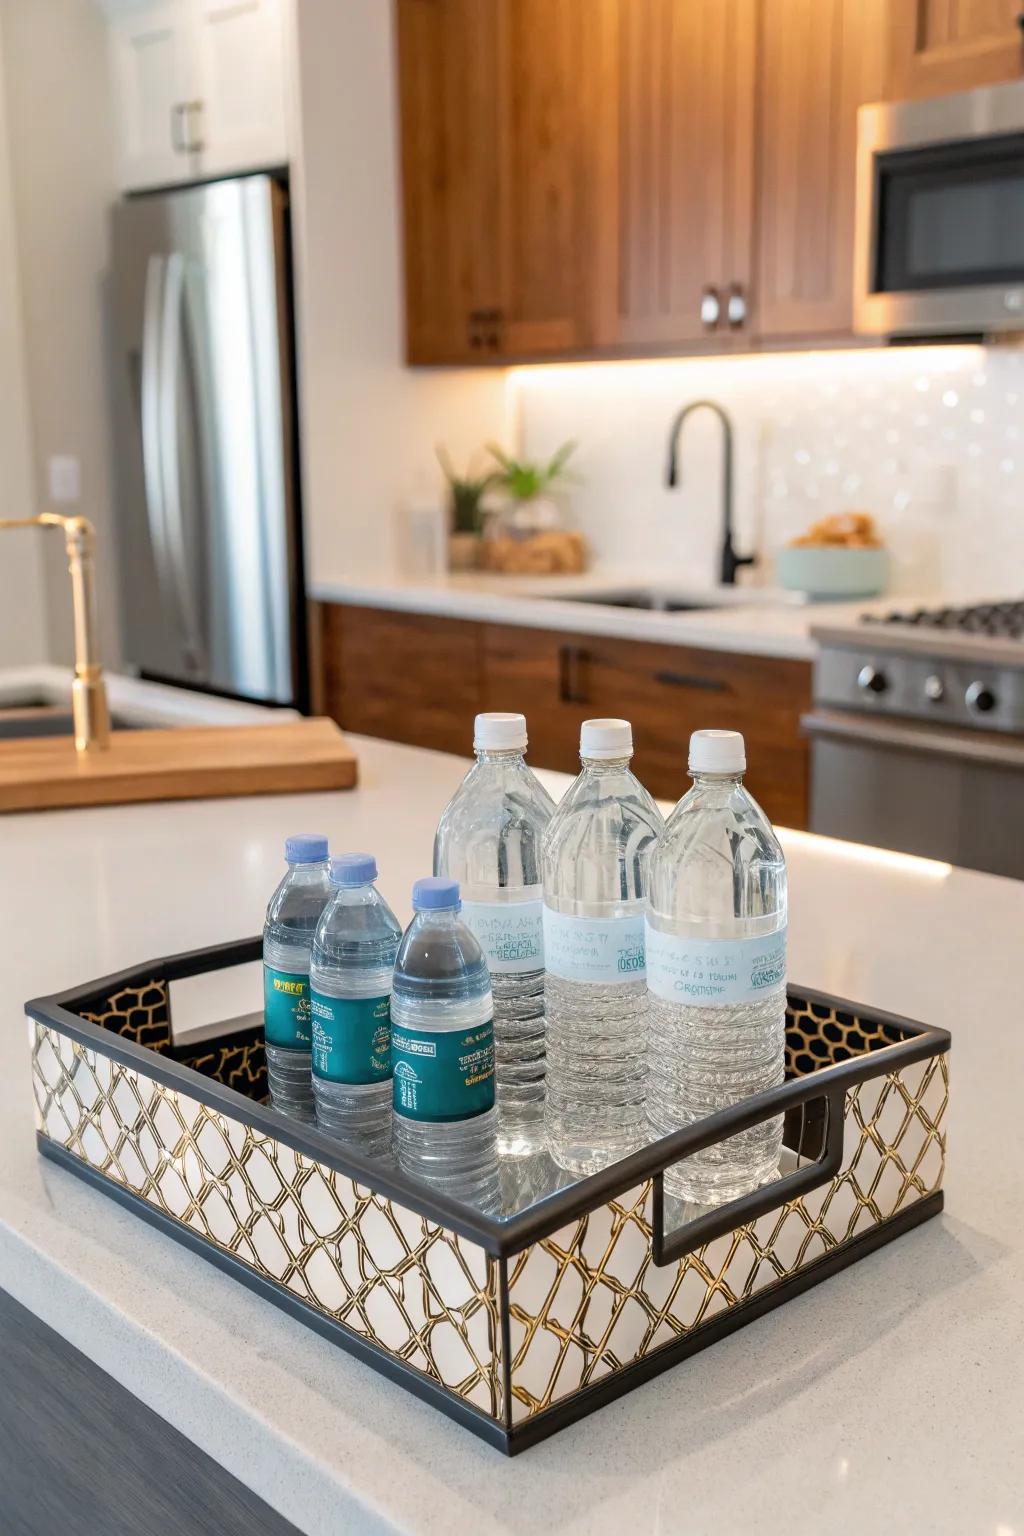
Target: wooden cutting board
{"type": "Point", "coordinates": [196, 762]}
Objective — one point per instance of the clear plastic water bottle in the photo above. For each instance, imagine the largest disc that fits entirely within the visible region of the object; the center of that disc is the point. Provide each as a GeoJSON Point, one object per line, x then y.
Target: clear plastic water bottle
{"type": "Point", "coordinates": [596, 851]}
{"type": "Point", "coordinates": [292, 916]}
{"type": "Point", "coordinates": [442, 1051]}
{"type": "Point", "coordinates": [716, 970]}
{"type": "Point", "coordinates": [489, 840]}
{"type": "Point", "coordinates": [350, 971]}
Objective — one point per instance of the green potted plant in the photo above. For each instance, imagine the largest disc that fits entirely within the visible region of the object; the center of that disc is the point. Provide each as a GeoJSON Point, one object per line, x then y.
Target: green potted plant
{"type": "Point", "coordinates": [528, 537]}
{"type": "Point", "coordinates": [466, 512]}
{"type": "Point", "coordinates": [528, 487]}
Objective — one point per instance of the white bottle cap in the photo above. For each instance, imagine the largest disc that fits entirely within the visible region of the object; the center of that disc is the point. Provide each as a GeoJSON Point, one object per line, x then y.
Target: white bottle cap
{"type": "Point", "coordinates": [604, 739]}
{"type": "Point", "coordinates": [717, 752]}
{"type": "Point", "coordinates": [499, 733]}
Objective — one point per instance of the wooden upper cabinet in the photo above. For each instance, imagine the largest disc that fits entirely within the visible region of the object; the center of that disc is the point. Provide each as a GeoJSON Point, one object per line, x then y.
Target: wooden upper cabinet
{"type": "Point", "coordinates": [448, 86]}
{"type": "Point", "coordinates": [685, 152]}
{"type": "Point", "coordinates": [937, 46]}
{"type": "Point", "coordinates": [819, 61]}
{"type": "Point", "coordinates": [500, 106]}
{"type": "Point", "coordinates": [553, 72]}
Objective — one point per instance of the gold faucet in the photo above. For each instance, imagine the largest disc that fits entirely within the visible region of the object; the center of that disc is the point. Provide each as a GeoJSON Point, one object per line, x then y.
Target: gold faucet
{"type": "Point", "coordinates": [88, 691]}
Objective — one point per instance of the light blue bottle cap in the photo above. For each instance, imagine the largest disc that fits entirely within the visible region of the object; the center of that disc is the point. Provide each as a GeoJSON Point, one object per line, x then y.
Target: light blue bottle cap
{"type": "Point", "coordinates": [305, 848]}
{"type": "Point", "coordinates": [353, 869]}
{"type": "Point", "coordinates": [434, 893]}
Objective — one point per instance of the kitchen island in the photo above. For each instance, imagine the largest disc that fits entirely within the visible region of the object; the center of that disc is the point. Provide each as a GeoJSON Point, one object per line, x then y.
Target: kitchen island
{"type": "Point", "coordinates": [888, 1398]}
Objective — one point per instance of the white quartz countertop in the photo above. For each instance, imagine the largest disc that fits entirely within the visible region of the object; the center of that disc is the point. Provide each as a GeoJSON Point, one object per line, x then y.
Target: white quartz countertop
{"type": "Point", "coordinates": [889, 1398]}
{"type": "Point", "coordinates": [754, 620]}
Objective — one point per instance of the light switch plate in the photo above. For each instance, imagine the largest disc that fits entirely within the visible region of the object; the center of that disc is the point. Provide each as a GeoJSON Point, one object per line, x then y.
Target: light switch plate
{"type": "Point", "coordinates": [64, 473]}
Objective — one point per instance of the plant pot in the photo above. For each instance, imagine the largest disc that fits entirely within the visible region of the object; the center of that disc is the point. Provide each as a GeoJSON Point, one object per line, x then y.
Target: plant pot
{"type": "Point", "coordinates": [463, 551]}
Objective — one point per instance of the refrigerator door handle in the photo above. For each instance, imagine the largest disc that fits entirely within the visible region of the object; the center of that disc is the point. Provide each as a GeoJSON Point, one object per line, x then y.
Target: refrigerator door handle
{"type": "Point", "coordinates": [152, 458]}
{"type": "Point", "coordinates": [175, 546]}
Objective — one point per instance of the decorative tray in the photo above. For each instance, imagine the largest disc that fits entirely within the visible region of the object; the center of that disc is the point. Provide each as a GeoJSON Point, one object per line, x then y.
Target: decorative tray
{"type": "Point", "coordinates": [513, 1324]}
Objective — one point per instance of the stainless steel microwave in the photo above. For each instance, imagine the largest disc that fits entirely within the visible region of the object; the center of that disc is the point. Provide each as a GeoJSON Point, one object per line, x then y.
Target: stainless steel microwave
{"type": "Point", "coordinates": [940, 215]}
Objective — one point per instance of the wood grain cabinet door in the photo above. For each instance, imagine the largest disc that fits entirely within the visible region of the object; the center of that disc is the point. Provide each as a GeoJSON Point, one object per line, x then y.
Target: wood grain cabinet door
{"type": "Point", "coordinates": [555, 84]}
{"type": "Point", "coordinates": [401, 676]}
{"type": "Point", "coordinates": [819, 60]}
{"type": "Point", "coordinates": [448, 60]}
{"type": "Point", "coordinates": [684, 185]}
{"type": "Point", "coordinates": [937, 46]}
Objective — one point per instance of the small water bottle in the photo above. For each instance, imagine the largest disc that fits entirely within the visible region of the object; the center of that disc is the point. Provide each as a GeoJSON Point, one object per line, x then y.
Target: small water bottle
{"type": "Point", "coordinates": [489, 840]}
{"type": "Point", "coordinates": [716, 970]}
{"type": "Point", "coordinates": [442, 1052]}
{"type": "Point", "coordinates": [292, 916]}
{"type": "Point", "coordinates": [350, 971]}
{"type": "Point", "coordinates": [596, 851]}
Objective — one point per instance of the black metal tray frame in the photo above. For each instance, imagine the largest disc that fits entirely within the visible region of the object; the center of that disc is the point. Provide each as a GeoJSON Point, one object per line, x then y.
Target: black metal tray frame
{"type": "Point", "coordinates": [813, 1103]}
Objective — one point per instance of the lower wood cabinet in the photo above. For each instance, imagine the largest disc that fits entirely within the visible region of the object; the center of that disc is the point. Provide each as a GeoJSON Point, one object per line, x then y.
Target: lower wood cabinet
{"type": "Point", "coordinates": [419, 679]}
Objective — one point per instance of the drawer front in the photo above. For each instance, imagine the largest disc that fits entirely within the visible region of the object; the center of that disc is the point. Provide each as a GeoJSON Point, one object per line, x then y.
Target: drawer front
{"type": "Point", "coordinates": [560, 679]}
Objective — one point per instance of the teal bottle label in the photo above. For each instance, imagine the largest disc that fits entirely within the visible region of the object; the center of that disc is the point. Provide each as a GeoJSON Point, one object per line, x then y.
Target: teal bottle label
{"type": "Point", "coordinates": [443, 1075]}
{"type": "Point", "coordinates": [351, 1038]}
{"type": "Point", "coordinates": [286, 1009]}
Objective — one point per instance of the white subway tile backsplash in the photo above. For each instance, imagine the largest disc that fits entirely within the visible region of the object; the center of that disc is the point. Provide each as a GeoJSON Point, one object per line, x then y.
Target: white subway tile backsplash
{"type": "Point", "coordinates": [928, 439]}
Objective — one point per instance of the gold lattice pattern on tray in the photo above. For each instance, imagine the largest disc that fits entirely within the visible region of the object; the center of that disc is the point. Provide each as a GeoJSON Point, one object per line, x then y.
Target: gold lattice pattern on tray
{"type": "Point", "coordinates": [589, 1300]}
{"type": "Point", "coordinates": [425, 1295]}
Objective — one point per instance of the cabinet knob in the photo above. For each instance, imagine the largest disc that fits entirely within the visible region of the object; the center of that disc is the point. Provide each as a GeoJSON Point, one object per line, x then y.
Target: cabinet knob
{"type": "Point", "coordinates": [736, 306]}
{"type": "Point", "coordinates": [710, 308]}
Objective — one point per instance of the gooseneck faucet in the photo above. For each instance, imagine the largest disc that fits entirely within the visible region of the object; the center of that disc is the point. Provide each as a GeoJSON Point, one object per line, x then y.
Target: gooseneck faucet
{"type": "Point", "coordinates": [88, 691]}
{"type": "Point", "coordinates": [730, 561]}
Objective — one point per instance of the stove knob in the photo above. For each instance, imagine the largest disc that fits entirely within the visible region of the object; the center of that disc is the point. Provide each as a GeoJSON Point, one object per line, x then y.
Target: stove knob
{"type": "Point", "coordinates": [934, 690]}
{"type": "Point", "coordinates": [872, 681]}
{"type": "Point", "coordinates": [980, 699]}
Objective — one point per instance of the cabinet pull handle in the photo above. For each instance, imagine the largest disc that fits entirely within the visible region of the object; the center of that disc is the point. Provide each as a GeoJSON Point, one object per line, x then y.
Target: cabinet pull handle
{"type": "Point", "coordinates": [736, 307]}
{"type": "Point", "coordinates": [710, 308]}
{"type": "Point", "coordinates": [688, 680]}
{"type": "Point", "coordinates": [179, 141]}
{"type": "Point", "coordinates": [571, 659]}
{"type": "Point", "coordinates": [194, 111]}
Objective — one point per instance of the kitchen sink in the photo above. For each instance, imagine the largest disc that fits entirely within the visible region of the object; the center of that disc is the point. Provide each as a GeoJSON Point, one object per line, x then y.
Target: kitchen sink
{"type": "Point", "coordinates": [674, 600]}
{"type": "Point", "coordinates": [39, 718]}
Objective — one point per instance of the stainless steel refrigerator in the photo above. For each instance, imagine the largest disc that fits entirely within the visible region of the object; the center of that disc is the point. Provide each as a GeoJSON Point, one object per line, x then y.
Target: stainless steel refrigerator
{"type": "Point", "coordinates": [205, 455]}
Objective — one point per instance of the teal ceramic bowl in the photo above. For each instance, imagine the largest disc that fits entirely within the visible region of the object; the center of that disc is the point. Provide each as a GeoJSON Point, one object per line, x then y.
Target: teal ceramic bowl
{"type": "Point", "coordinates": [824, 571]}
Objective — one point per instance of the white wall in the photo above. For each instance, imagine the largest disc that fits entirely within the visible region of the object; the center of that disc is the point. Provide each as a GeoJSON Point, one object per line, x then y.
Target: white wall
{"type": "Point", "coordinates": [61, 139]}
{"type": "Point", "coordinates": [930, 440]}
{"type": "Point", "coordinates": [22, 624]}
{"type": "Point", "coordinates": [370, 425]}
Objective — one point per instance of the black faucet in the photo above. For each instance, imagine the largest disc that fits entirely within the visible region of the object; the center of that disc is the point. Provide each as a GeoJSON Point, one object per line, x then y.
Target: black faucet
{"type": "Point", "coordinates": [731, 561]}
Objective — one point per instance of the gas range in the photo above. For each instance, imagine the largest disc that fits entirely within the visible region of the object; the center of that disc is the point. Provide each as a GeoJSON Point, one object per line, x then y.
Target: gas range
{"type": "Point", "coordinates": [952, 666]}
{"type": "Point", "coordinates": [917, 734]}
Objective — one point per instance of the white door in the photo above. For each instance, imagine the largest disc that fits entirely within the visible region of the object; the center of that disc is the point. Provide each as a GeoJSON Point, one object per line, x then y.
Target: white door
{"type": "Point", "coordinates": [151, 45]}
{"type": "Point", "coordinates": [239, 76]}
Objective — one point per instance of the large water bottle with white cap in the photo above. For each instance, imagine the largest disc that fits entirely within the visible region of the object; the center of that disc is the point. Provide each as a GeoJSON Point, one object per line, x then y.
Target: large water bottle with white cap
{"type": "Point", "coordinates": [716, 971]}
{"type": "Point", "coordinates": [351, 966]}
{"type": "Point", "coordinates": [442, 1051]}
{"type": "Point", "coordinates": [489, 840]}
{"type": "Point", "coordinates": [596, 853]}
{"type": "Point", "coordinates": [292, 916]}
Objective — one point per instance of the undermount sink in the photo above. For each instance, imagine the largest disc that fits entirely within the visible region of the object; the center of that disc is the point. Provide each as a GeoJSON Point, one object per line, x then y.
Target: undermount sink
{"type": "Point", "coordinates": [38, 717]}
{"type": "Point", "coordinates": [674, 600]}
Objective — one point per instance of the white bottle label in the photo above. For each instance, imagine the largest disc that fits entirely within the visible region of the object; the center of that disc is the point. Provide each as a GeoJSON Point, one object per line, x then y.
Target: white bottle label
{"type": "Point", "coordinates": [600, 949]}
{"type": "Point", "coordinates": [510, 933]}
{"type": "Point", "coordinates": [715, 973]}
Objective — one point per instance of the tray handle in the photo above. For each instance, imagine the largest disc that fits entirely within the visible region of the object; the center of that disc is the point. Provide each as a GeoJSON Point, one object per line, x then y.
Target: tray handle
{"type": "Point", "coordinates": [669, 1247]}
